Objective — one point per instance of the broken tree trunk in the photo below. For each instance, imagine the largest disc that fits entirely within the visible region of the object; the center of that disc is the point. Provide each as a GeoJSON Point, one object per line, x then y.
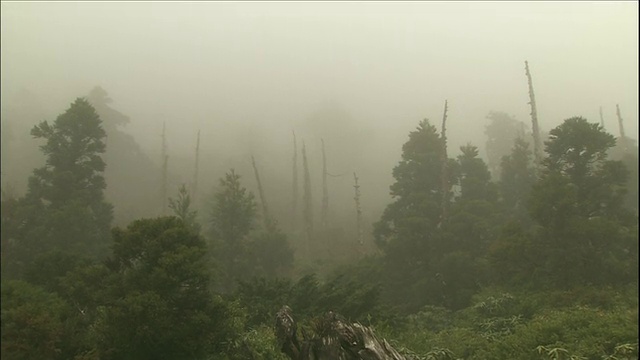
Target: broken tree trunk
{"type": "Point", "coordinates": [334, 339]}
{"type": "Point", "coordinates": [325, 191]}
{"type": "Point", "coordinates": [537, 146]}
{"type": "Point", "coordinates": [623, 138]}
{"type": "Point", "coordinates": [165, 164]}
{"type": "Point", "coordinates": [263, 200]}
{"type": "Point", "coordinates": [194, 189]}
{"type": "Point", "coordinates": [294, 205]}
{"type": "Point", "coordinates": [308, 209]}
{"type": "Point", "coordinates": [358, 210]}
{"type": "Point", "coordinates": [443, 172]}
{"type": "Point", "coordinates": [620, 123]}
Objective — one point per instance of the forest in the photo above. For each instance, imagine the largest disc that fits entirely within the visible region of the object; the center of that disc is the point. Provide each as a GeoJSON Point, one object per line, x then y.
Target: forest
{"type": "Point", "coordinates": [531, 254]}
{"type": "Point", "coordinates": [319, 180]}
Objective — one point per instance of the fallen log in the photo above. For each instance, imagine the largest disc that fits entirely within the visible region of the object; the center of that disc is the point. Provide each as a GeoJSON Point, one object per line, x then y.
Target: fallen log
{"type": "Point", "coordinates": [334, 339]}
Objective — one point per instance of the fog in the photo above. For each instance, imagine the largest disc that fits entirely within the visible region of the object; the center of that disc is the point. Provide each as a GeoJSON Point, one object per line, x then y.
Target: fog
{"type": "Point", "coordinates": [358, 75]}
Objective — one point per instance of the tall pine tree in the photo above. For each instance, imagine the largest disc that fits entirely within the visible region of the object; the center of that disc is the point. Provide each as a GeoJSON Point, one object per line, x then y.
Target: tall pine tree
{"type": "Point", "coordinates": [64, 208]}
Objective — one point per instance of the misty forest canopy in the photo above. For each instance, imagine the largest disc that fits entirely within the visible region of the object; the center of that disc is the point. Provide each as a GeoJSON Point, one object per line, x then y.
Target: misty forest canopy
{"type": "Point", "coordinates": [511, 257]}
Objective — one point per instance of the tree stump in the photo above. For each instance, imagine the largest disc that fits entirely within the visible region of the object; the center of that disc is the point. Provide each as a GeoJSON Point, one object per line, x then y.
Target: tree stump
{"type": "Point", "coordinates": [334, 339]}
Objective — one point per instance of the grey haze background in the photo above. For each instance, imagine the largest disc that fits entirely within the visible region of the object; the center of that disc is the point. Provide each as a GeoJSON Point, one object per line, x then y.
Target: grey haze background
{"type": "Point", "coordinates": [247, 74]}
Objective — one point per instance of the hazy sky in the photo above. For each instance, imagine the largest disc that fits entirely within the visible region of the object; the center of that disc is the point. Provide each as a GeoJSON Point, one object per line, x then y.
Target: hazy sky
{"type": "Point", "coordinates": [226, 67]}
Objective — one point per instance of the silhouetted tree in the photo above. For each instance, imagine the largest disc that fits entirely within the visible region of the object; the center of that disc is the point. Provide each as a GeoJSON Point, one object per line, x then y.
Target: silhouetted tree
{"type": "Point", "coordinates": [64, 207]}
{"type": "Point", "coordinates": [407, 229]}
{"type": "Point", "coordinates": [501, 133]}
{"type": "Point", "coordinates": [158, 304]}
{"type": "Point", "coordinates": [516, 179]}
{"type": "Point", "coordinates": [588, 234]}
{"type": "Point", "coordinates": [181, 207]}
{"type": "Point", "coordinates": [128, 167]}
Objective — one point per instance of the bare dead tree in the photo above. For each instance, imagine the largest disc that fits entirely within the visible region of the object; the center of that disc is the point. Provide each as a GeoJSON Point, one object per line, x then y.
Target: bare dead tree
{"type": "Point", "coordinates": [194, 190]}
{"type": "Point", "coordinates": [325, 190]}
{"type": "Point", "coordinates": [263, 200]}
{"type": "Point", "coordinates": [537, 146]}
{"type": "Point", "coordinates": [443, 172]}
{"type": "Point", "coordinates": [308, 208]}
{"type": "Point", "coordinates": [165, 164]}
{"type": "Point", "coordinates": [356, 187]}
{"type": "Point", "coordinates": [623, 138]}
{"type": "Point", "coordinates": [620, 122]}
{"type": "Point", "coordinates": [294, 205]}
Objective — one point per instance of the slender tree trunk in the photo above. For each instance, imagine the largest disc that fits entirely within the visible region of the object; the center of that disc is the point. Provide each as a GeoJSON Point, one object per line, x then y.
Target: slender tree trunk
{"type": "Point", "coordinates": [165, 164]}
{"type": "Point", "coordinates": [620, 122]}
{"type": "Point", "coordinates": [443, 172]}
{"type": "Point", "coordinates": [194, 190]}
{"type": "Point", "coordinates": [356, 187]}
{"type": "Point", "coordinates": [601, 118]}
{"type": "Point", "coordinates": [308, 208]}
{"type": "Point", "coordinates": [294, 205]}
{"type": "Point", "coordinates": [623, 138]}
{"type": "Point", "coordinates": [263, 200]}
{"type": "Point", "coordinates": [537, 147]}
{"type": "Point", "coordinates": [325, 191]}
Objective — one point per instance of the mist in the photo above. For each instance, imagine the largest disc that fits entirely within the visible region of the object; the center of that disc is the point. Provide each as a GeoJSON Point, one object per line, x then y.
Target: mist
{"type": "Point", "coordinates": [359, 76]}
{"type": "Point", "coordinates": [201, 180]}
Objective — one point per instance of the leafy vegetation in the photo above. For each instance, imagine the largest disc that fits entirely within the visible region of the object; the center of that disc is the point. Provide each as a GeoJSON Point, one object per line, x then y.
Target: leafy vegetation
{"type": "Point", "coordinates": [541, 264]}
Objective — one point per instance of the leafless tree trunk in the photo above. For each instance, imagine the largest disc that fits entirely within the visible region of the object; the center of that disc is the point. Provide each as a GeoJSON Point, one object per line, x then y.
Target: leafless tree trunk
{"type": "Point", "coordinates": [356, 186]}
{"type": "Point", "coordinates": [294, 205]}
{"type": "Point", "coordinates": [443, 173]}
{"type": "Point", "coordinates": [620, 122]}
{"type": "Point", "coordinates": [263, 200]}
{"type": "Point", "coordinates": [623, 138]}
{"type": "Point", "coordinates": [325, 190]}
{"type": "Point", "coordinates": [194, 190]}
{"type": "Point", "coordinates": [165, 164]}
{"type": "Point", "coordinates": [308, 208]}
{"type": "Point", "coordinates": [537, 146]}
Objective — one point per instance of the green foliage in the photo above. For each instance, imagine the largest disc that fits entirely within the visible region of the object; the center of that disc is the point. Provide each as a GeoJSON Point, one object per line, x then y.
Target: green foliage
{"type": "Point", "coordinates": [474, 176]}
{"type": "Point", "coordinates": [181, 208]}
{"type": "Point", "coordinates": [32, 322]}
{"type": "Point", "coordinates": [624, 351]}
{"type": "Point", "coordinates": [407, 229]}
{"type": "Point", "coordinates": [556, 353]}
{"type": "Point", "coordinates": [581, 331]}
{"type": "Point", "coordinates": [346, 297]}
{"type": "Point", "coordinates": [578, 200]}
{"type": "Point", "coordinates": [626, 151]}
{"type": "Point", "coordinates": [516, 180]}
{"type": "Point", "coordinates": [506, 326]}
{"type": "Point", "coordinates": [233, 213]}
{"type": "Point", "coordinates": [239, 251]}
{"type": "Point", "coordinates": [516, 257]}
{"type": "Point", "coordinates": [255, 343]}
{"type": "Point", "coordinates": [158, 305]}
{"type": "Point", "coordinates": [343, 292]}
{"type": "Point", "coordinates": [64, 207]}
{"type": "Point", "coordinates": [263, 298]}
{"type": "Point", "coordinates": [501, 132]}
{"type": "Point", "coordinates": [417, 187]}
{"type": "Point", "coordinates": [48, 269]}
{"type": "Point", "coordinates": [577, 164]}
{"type": "Point", "coordinates": [440, 354]}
